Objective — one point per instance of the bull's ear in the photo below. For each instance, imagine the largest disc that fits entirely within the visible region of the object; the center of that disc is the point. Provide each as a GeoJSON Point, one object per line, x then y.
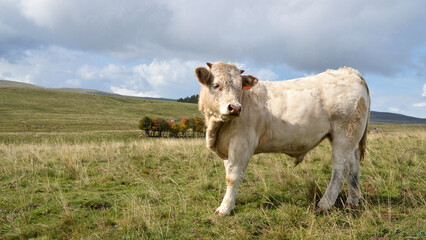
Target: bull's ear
{"type": "Point", "coordinates": [203, 75]}
{"type": "Point", "coordinates": [248, 81]}
{"type": "Point", "coordinates": [241, 71]}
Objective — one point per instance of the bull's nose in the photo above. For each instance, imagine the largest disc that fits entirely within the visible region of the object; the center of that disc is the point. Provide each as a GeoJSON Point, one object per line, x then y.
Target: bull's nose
{"type": "Point", "coordinates": [234, 110]}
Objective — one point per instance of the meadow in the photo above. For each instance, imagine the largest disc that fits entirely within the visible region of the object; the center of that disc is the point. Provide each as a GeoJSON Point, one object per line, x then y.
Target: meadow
{"type": "Point", "coordinates": [85, 174]}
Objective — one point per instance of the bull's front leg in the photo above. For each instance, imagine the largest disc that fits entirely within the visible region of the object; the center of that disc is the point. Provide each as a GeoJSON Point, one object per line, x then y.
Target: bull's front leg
{"type": "Point", "coordinates": [236, 165]}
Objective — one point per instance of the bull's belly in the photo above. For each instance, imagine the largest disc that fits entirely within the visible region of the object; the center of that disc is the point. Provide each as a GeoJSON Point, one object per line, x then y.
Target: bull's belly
{"type": "Point", "coordinates": [291, 145]}
{"type": "Point", "coordinates": [293, 139]}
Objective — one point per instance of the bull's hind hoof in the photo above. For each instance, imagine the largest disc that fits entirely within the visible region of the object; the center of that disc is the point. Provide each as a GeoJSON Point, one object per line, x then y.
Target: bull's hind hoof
{"type": "Point", "coordinates": [320, 210]}
{"type": "Point", "coordinates": [219, 213]}
{"type": "Point", "coordinates": [351, 206]}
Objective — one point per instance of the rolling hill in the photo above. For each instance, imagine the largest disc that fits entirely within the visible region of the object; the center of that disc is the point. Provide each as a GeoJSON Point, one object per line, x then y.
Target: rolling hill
{"type": "Point", "coordinates": [394, 118]}
{"type": "Point", "coordinates": [37, 109]}
{"type": "Point", "coordinates": [7, 83]}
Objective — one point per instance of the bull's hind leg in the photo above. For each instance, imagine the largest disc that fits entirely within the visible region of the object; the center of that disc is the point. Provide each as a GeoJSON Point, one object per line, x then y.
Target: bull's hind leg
{"type": "Point", "coordinates": [353, 180]}
{"type": "Point", "coordinates": [341, 157]}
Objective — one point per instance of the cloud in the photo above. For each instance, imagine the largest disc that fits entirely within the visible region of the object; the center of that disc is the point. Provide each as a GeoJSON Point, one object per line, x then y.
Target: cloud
{"type": "Point", "coordinates": [39, 11]}
{"type": "Point", "coordinates": [394, 109]}
{"type": "Point", "coordinates": [9, 71]}
{"type": "Point", "coordinates": [307, 35]}
{"type": "Point", "coordinates": [48, 66]}
{"type": "Point", "coordinates": [127, 92]}
{"type": "Point", "coordinates": [266, 75]}
{"type": "Point", "coordinates": [421, 104]}
{"type": "Point", "coordinates": [160, 78]}
{"type": "Point", "coordinates": [424, 90]}
{"type": "Point", "coordinates": [73, 82]}
{"type": "Point", "coordinates": [102, 26]}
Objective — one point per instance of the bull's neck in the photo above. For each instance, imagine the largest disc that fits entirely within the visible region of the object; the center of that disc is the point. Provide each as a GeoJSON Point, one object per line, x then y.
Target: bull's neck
{"type": "Point", "coordinates": [213, 126]}
{"type": "Point", "coordinates": [252, 101]}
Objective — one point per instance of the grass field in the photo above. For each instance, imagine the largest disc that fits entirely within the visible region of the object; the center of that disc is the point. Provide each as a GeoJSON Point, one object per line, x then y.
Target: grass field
{"type": "Point", "coordinates": [99, 181]}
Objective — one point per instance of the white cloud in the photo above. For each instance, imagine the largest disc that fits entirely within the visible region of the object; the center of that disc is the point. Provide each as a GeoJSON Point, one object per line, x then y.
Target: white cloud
{"type": "Point", "coordinates": [394, 109]}
{"type": "Point", "coordinates": [421, 104]}
{"type": "Point", "coordinates": [73, 82]}
{"type": "Point", "coordinates": [87, 72]}
{"type": "Point", "coordinates": [47, 66]}
{"type": "Point", "coordinates": [15, 72]}
{"type": "Point", "coordinates": [172, 78]}
{"type": "Point", "coordinates": [40, 11]}
{"type": "Point", "coordinates": [266, 75]}
{"type": "Point", "coordinates": [127, 92]}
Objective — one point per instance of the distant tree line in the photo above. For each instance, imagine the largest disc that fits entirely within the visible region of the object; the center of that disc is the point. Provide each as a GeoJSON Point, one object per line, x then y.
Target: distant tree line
{"type": "Point", "coordinates": [191, 99]}
{"type": "Point", "coordinates": [185, 127]}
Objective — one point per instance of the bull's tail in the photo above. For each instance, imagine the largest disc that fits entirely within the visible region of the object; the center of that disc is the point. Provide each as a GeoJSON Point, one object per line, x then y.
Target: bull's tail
{"type": "Point", "coordinates": [362, 145]}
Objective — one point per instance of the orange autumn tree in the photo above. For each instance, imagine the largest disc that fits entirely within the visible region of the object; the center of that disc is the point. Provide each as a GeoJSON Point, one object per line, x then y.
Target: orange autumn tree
{"type": "Point", "coordinates": [183, 127]}
{"type": "Point", "coordinates": [199, 124]}
{"type": "Point", "coordinates": [160, 127]}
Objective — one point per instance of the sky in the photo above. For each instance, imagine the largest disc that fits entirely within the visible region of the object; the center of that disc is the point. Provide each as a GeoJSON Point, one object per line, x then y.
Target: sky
{"type": "Point", "coordinates": [151, 48]}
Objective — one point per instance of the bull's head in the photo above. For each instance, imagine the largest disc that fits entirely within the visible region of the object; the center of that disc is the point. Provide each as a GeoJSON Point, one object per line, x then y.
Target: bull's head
{"type": "Point", "coordinates": [222, 87]}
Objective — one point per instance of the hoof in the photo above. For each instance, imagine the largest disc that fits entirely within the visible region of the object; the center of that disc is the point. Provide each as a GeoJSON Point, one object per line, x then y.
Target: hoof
{"type": "Point", "coordinates": [351, 206]}
{"type": "Point", "coordinates": [319, 210]}
{"type": "Point", "coordinates": [219, 213]}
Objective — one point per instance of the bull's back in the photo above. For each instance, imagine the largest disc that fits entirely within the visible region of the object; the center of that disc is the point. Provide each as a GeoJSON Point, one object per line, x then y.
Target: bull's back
{"type": "Point", "coordinates": [301, 111]}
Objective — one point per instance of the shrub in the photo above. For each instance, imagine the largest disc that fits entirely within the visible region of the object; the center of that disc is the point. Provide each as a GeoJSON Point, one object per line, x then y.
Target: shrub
{"type": "Point", "coordinates": [175, 129]}
{"type": "Point", "coordinates": [146, 124]}
{"type": "Point", "coordinates": [162, 126]}
{"type": "Point", "coordinates": [199, 124]}
{"type": "Point", "coordinates": [191, 125]}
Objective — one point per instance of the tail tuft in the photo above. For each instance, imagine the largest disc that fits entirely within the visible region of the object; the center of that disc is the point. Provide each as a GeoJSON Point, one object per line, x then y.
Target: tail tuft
{"type": "Point", "coordinates": [362, 146]}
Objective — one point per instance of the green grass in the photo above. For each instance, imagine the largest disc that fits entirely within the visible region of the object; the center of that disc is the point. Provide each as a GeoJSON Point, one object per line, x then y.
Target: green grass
{"type": "Point", "coordinates": [398, 127]}
{"type": "Point", "coordinates": [89, 181]}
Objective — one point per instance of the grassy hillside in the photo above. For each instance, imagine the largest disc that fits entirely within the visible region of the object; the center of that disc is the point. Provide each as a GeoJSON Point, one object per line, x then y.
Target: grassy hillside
{"type": "Point", "coordinates": [24, 109]}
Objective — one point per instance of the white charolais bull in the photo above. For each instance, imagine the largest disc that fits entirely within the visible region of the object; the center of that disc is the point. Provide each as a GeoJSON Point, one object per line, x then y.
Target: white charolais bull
{"type": "Point", "coordinates": [246, 117]}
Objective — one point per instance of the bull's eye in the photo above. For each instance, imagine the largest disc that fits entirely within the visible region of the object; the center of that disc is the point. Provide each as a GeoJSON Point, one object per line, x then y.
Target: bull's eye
{"type": "Point", "coordinates": [217, 86]}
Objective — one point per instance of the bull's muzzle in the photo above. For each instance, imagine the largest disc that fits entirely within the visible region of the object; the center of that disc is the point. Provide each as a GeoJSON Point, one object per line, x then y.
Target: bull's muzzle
{"type": "Point", "coordinates": [234, 110]}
